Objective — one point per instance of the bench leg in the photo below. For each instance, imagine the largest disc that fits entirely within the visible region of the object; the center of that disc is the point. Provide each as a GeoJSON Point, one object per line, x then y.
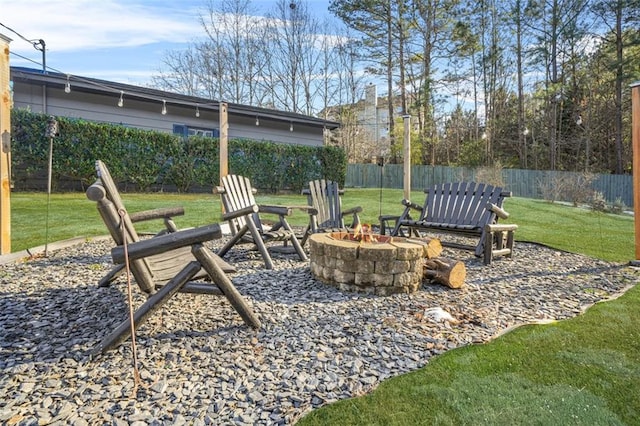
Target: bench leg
{"type": "Point", "coordinates": [510, 240]}
{"type": "Point", "coordinates": [488, 247]}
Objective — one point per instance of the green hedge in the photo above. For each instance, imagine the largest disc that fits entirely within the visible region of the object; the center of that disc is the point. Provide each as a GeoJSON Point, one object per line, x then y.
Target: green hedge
{"type": "Point", "coordinates": [148, 160]}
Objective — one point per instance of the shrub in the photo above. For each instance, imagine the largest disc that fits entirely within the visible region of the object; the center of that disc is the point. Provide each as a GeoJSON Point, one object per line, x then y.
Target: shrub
{"type": "Point", "coordinates": [618, 206]}
{"type": "Point", "coordinates": [574, 187]}
{"type": "Point", "coordinates": [598, 203]}
{"type": "Point", "coordinates": [491, 174]}
{"type": "Point", "coordinates": [144, 158]}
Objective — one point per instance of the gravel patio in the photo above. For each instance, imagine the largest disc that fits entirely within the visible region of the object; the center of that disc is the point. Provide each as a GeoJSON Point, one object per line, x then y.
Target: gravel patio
{"type": "Point", "coordinates": [200, 364]}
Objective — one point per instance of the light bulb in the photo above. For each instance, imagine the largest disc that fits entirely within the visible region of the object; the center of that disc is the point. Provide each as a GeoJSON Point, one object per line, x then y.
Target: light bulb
{"type": "Point", "coordinates": [164, 107]}
{"type": "Point", "coordinates": [121, 101]}
{"type": "Point", "coordinates": [291, 127]}
{"type": "Point", "coordinates": [67, 87]}
{"type": "Point", "coordinates": [257, 121]}
{"type": "Point", "coordinates": [197, 111]}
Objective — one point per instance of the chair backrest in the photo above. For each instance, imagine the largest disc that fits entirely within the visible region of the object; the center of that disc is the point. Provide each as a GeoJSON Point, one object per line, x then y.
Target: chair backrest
{"type": "Point", "coordinates": [324, 195]}
{"type": "Point", "coordinates": [462, 203]}
{"type": "Point", "coordinates": [112, 195]}
{"type": "Point", "coordinates": [237, 193]}
{"type": "Point", "coordinates": [105, 193]}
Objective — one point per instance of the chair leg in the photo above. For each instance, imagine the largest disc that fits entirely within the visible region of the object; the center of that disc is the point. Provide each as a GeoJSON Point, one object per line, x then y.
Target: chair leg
{"type": "Point", "coordinates": [259, 242]}
{"type": "Point", "coordinates": [208, 262]}
{"type": "Point", "coordinates": [233, 241]}
{"type": "Point", "coordinates": [152, 304]}
{"type": "Point", "coordinates": [295, 243]}
{"type": "Point", "coordinates": [112, 275]}
{"type": "Point", "coordinates": [305, 236]}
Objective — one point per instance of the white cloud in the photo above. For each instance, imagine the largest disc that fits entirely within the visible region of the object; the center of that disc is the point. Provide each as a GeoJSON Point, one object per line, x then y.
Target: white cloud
{"type": "Point", "coordinates": [73, 25]}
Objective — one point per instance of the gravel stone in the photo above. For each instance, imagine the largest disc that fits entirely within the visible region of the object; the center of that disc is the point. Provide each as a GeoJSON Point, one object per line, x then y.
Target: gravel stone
{"type": "Point", "coordinates": [199, 364]}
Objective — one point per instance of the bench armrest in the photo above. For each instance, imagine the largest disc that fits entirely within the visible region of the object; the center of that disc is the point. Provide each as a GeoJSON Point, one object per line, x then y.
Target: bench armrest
{"type": "Point", "coordinates": [166, 242]}
{"type": "Point", "coordinates": [499, 211]}
{"type": "Point", "coordinates": [495, 227]}
{"type": "Point", "coordinates": [408, 203]}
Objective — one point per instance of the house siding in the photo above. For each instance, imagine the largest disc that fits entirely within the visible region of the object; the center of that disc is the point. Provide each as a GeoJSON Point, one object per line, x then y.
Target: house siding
{"type": "Point", "coordinates": [146, 114]}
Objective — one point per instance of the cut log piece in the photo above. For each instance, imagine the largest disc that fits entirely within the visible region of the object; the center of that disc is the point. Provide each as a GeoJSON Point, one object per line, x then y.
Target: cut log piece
{"type": "Point", "coordinates": [432, 246]}
{"type": "Point", "coordinates": [449, 272]}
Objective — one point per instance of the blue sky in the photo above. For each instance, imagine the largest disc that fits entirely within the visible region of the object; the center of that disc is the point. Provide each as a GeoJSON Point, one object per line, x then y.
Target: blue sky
{"type": "Point", "coordinates": [116, 40]}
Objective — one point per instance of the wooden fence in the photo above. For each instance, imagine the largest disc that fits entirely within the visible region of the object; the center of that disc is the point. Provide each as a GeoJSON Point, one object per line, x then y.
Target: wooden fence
{"type": "Point", "coordinates": [523, 183]}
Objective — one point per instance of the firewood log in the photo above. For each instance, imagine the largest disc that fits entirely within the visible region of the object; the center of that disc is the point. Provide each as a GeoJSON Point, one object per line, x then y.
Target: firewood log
{"type": "Point", "coordinates": [449, 272]}
{"type": "Point", "coordinates": [432, 247]}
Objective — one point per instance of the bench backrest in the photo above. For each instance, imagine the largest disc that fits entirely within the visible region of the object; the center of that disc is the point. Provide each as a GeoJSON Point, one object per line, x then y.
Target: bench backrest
{"type": "Point", "coordinates": [462, 203]}
{"type": "Point", "coordinates": [324, 195]}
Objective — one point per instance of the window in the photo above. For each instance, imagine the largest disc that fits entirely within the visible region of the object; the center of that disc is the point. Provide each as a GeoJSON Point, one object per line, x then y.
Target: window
{"type": "Point", "coordinates": [186, 131]}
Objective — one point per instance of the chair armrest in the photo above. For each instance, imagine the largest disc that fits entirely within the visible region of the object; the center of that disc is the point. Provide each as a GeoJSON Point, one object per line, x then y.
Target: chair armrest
{"type": "Point", "coordinates": [242, 212]}
{"type": "Point", "coordinates": [352, 210]}
{"type": "Point", "coordinates": [307, 209]}
{"type": "Point", "coordinates": [166, 242]}
{"type": "Point", "coordinates": [271, 209]}
{"type": "Point", "coordinates": [162, 213]}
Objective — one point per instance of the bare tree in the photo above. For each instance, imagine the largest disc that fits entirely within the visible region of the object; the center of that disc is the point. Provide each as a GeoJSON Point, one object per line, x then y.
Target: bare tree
{"type": "Point", "coordinates": [618, 17]}
{"type": "Point", "coordinates": [183, 75]}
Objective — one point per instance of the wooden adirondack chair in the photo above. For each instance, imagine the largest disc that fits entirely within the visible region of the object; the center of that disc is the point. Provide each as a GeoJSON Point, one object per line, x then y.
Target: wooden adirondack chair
{"type": "Point", "coordinates": [465, 208]}
{"type": "Point", "coordinates": [243, 215]}
{"type": "Point", "coordinates": [162, 265]}
{"type": "Point", "coordinates": [327, 214]}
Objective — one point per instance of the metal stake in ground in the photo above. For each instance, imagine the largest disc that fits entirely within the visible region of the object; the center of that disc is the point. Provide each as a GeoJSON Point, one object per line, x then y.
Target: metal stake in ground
{"type": "Point", "coordinates": [51, 132]}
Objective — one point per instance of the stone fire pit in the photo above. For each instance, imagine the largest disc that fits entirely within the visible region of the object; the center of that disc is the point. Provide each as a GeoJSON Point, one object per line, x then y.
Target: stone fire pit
{"type": "Point", "coordinates": [387, 266]}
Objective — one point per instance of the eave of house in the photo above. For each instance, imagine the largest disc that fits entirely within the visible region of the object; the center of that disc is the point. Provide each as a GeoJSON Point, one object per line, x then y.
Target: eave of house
{"type": "Point", "coordinates": [104, 87]}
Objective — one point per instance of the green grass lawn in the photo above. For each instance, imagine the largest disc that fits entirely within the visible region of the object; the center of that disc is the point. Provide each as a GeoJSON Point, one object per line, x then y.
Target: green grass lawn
{"type": "Point", "coordinates": [600, 235]}
{"type": "Point", "coordinates": [583, 371]}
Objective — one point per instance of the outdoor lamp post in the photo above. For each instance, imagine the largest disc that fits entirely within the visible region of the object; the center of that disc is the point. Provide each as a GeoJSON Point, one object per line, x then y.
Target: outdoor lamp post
{"type": "Point", "coordinates": [50, 132]}
{"type": "Point", "coordinates": [42, 46]}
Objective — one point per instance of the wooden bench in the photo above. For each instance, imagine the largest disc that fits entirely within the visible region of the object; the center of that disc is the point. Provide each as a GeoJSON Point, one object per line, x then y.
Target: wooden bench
{"type": "Point", "coordinates": [465, 208]}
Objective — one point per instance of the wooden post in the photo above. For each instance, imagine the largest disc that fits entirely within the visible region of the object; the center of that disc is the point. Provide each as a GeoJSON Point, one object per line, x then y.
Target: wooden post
{"type": "Point", "coordinates": [407, 156]}
{"type": "Point", "coordinates": [224, 141]}
{"type": "Point", "coordinates": [635, 140]}
{"type": "Point", "coordinates": [5, 149]}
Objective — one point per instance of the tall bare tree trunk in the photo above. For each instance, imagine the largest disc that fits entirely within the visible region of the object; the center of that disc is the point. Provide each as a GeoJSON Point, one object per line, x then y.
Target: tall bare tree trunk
{"type": "Point", "coordinates": [619, 78]}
